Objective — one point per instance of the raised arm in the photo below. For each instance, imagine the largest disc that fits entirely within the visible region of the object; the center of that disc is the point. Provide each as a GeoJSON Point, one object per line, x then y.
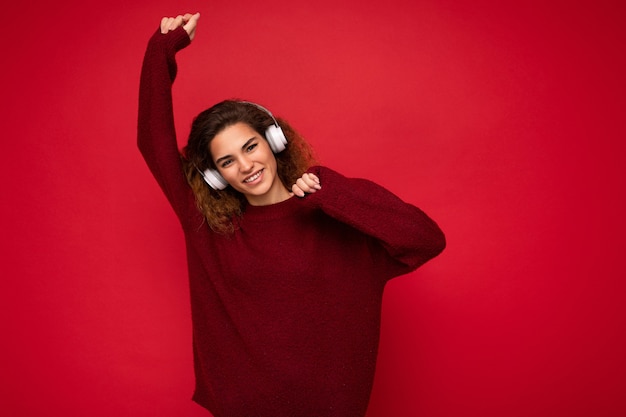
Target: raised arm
{"type": "Point", "coordinates": [156, 134]}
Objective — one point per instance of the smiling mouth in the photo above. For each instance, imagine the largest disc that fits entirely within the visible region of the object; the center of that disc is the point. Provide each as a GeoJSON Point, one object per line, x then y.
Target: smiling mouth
{"type": "Point", "coordinates": [253, 177]}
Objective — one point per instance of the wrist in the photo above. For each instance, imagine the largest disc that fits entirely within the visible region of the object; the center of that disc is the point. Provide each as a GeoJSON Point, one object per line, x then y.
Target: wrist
{"type": "Point", "coordinates": [170, 42]}
{"type": "Point", "coordinates": [178, 39]}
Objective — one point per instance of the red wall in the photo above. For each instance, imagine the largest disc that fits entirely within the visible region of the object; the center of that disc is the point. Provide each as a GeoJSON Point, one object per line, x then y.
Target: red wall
{"type": "Point", "coordinates": [504, 122]}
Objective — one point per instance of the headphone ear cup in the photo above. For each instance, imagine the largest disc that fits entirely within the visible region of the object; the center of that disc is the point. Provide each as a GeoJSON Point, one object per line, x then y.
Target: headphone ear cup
{"type": "Point", "coordinates": [214, 179]}
{"type": "Point", "coordinates": [276, 138]}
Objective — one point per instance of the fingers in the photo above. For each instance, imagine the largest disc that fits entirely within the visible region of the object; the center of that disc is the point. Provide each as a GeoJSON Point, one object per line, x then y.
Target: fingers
{"type": "Point", "coordinates": [307, 184]}
{"type": "Point", "coordinates": [188, 21]}
{"type": "Point", "coordinates": [165, 23]}
{"type": "Point", "coordinates": [170, 23]}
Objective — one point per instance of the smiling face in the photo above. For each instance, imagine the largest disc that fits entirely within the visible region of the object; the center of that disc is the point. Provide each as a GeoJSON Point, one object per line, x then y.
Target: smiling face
{"type": "Point", "coordinates": [247, 163]}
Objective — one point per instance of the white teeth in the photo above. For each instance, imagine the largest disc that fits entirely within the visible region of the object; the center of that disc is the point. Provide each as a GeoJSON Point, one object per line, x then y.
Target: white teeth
{"type": "Point", "coordinates": [252, 178]}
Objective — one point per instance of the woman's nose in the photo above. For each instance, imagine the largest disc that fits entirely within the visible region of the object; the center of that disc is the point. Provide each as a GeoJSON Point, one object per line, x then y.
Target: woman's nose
{"type": "Point", "coordinates": [246, 164]}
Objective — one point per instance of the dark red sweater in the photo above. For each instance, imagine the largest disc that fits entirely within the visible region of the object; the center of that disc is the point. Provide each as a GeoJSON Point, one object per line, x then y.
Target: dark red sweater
{"type": "Point", "coordinates": [286, 310]}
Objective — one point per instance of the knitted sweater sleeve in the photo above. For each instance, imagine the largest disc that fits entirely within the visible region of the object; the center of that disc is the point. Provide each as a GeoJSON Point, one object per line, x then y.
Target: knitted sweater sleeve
{"type": "Point", "coordinates": [156, 134]}
{"type": "Point", "coordinates": [406, 233]}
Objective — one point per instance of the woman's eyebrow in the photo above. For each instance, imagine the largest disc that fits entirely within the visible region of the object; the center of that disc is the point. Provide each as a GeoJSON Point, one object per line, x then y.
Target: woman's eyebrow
{"type": "Point", "coordinates": [218, 160]}
{"type": "Point", "coordinates": [244, 146]}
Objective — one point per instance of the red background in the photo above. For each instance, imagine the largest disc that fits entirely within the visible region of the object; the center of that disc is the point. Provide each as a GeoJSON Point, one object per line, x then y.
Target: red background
{"type": "Point", "coordinates": [504, 122]}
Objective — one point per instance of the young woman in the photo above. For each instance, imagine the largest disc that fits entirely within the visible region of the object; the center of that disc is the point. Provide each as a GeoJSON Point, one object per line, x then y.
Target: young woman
{"type": "Point", "coordinates": [287, 261]}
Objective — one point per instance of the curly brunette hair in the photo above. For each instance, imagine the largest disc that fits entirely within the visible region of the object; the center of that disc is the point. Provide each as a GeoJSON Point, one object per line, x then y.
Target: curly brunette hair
{"type": "Point", "coordinates": [222, 208]}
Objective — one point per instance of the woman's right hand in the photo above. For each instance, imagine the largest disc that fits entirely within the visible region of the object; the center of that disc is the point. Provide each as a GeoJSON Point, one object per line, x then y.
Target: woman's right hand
{"type": "Point", "coordinates": [188, 22]}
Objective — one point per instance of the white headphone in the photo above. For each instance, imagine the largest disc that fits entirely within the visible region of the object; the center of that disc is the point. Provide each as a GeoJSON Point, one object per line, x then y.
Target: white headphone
{"type": "Point", "coordinates": [275, 137]}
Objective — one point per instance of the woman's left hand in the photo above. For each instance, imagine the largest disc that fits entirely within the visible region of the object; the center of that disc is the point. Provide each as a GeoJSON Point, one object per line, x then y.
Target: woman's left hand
{"type": "Point", "coordinates": [188, 22]}
{"type": "Point", "coordinates": [307, 184]}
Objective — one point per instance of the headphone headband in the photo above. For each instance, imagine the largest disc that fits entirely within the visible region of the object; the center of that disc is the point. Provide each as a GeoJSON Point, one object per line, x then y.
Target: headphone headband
{"type": "Point", "coordinates": [258, 106]}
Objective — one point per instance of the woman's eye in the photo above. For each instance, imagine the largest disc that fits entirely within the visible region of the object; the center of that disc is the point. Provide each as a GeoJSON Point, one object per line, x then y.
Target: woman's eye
{"type": "Point", "coordinates": [251, 147]}
{"type": "Point", "coordinates": [226, 163]}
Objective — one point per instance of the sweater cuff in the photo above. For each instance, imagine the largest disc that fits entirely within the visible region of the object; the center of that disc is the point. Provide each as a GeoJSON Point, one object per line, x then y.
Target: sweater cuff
{"type": "Point", "coordinates": [172, 41]}
{"type": "Point", "coordinates": [325, 175]}
{"type": "Point", "coordinates": [179, 39]}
